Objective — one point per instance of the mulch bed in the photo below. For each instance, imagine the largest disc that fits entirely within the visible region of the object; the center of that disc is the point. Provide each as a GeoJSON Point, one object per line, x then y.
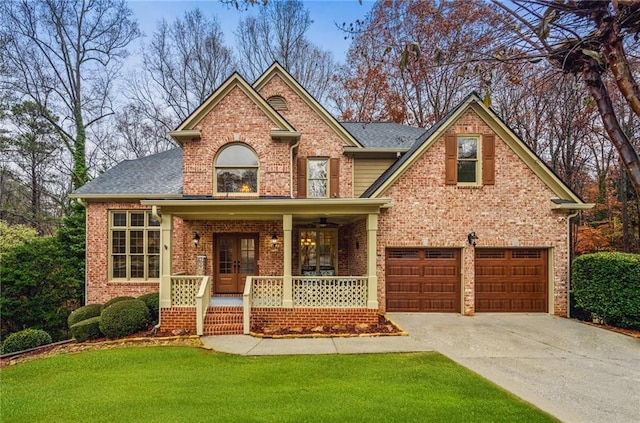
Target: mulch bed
{"type": "Point", "coordinates": [384, 327]}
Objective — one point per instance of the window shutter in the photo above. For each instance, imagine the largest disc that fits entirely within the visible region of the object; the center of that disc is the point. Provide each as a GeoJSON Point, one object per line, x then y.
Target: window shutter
{"type": "Point", "coordinates": [488, 160]}
{"type": "Point", "coordinates": [302, 177]}
{"type": "Point", "coordinates": [451, 161]}
{"type": "Point", "coordinates": [334, 178]}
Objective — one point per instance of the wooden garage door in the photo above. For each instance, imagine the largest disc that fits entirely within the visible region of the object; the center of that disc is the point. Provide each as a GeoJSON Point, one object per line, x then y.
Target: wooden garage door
{"type": "Point", "coordinates": [423, 280]}
{"type": "Point", "coordinates": [511, 280]}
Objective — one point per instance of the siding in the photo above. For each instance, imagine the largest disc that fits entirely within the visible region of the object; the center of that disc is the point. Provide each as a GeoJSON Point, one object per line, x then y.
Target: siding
{"type": "Point", "coordinates": [366, 171]}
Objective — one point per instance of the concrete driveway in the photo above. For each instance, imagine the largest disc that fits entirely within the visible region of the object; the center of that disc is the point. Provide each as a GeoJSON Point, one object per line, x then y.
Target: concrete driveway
{"type": "Point", "coordinates": [575, 372]}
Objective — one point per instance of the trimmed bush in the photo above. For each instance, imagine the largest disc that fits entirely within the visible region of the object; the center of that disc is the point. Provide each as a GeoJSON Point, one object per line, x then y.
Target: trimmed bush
{"type": "Point", "coordinates": [608, 286]}
{"type": "Point", "coordinates": [86, 329]}
{"type": "Point", "coordinates": [25, 340]}
{"type": "Point", "coordinates": [153, 303]}
{"type": "Point", "coordinates": [84, 313]}
{"type": "Point", "coordinates": [124, 318]}
{"type": "Point", "coordinates": [116, 300]}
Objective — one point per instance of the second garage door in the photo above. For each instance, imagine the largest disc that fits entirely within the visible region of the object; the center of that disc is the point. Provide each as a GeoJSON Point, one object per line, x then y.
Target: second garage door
{"type": "Point", "coordinates": [511, 280]}
{"type": "Point", "coordinates": [423, 280]}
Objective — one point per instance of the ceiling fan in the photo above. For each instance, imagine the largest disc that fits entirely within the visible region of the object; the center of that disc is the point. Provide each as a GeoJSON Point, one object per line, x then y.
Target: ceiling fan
{"type": "Point", "coordinates": [324, 223]}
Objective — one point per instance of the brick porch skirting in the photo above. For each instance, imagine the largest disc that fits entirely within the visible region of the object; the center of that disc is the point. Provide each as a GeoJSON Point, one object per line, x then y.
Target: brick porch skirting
{"type": "Point", "coordinates": [176, 318]}
{"type": "Point", "coordinates": [311, 317]}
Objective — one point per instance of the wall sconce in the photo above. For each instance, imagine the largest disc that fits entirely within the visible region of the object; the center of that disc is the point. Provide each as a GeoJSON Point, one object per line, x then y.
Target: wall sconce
{"type": "Point", "coordinates": [274, 240]}
{"type": "Point", "coordinates": [472, 238]}
{"type": "Point", "coordinates": [196, 239]}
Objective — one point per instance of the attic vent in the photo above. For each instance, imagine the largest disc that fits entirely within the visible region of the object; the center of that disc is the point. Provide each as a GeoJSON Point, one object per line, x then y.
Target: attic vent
{"type": "Point", "coordinates": [277, 102]}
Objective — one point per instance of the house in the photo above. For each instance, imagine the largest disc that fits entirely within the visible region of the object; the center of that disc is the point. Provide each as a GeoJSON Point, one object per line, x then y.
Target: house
{"type": "Point", "coordinates": [315, 222]}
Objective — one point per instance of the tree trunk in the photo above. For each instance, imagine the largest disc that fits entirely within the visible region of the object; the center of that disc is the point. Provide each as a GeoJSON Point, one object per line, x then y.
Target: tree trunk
{"type": "Point", "coordinates": [628, 155]}
{"type": "Point", "coordinates": [617, 60]}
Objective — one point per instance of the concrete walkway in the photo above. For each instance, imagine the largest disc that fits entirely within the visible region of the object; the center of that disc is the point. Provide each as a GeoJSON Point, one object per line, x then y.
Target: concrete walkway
{"type": "Point", "coordinates": [575, 372]}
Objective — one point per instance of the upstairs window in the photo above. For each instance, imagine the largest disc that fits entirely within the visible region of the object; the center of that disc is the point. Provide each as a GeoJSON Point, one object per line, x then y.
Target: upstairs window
{"type": "Point", "coordinates": [317, 178]}
{"type": "Point", "coordinates": [236, 170]}
{"type": "Point", "coordinates": [468, 165]}
{"type": "Point", "coordinates": [470, 160]}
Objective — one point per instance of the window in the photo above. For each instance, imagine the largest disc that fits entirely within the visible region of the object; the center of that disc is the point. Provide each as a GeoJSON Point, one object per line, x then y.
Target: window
{"type": "Point", "coordinates": [318, 178]}
{"type": "Point", "coordinates": [236, 170]}
{"type": "Point", "coordinates": [134, 245]}
{"type": "Point", "coordinates": [468, 164]}
{"type": "Point", "coordinates": [318, 252]}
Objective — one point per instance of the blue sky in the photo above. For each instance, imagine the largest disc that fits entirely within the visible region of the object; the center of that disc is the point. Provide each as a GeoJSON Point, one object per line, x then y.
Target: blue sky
{"type": "Point", "coordinates": [324, 13]}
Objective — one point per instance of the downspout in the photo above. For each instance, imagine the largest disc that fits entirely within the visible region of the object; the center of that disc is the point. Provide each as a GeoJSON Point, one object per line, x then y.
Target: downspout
{"type": "Point", "coordinates": [157, 216]}
{"type": "Point", "coordinates": [86, 239]}
{"type": "Point", "coordinates": [294, 146]}
{"type": "Point", "coordinates": [569, 260]}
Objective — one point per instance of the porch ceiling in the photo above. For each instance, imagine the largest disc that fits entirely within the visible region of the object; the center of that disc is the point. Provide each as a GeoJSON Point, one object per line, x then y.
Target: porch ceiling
{"type": "Point", "coordinates": [342, 209]}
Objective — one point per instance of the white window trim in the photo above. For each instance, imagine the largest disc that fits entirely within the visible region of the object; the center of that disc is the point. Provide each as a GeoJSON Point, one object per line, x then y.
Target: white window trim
{"type": "Point", "coordinates": [478, 160]}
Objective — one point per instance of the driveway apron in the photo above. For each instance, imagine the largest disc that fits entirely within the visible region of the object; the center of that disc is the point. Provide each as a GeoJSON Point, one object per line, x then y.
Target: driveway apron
{"type": "Point", "coordinates": [573, 371]}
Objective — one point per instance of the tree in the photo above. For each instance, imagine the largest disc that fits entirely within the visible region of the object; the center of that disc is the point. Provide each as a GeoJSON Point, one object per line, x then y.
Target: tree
{"type": "Point", "coordinates": [12, 236]}
{"type": "Point", "coordinates": [184, 63]}
{"type": "Point", "coordinates": [591, 39]}
{"type": "Point", "coordinates": [32, 145]}
{"type": "Point", "coordinates": [278, 34]}
{"type": "Point", "coordinates": [64, 56]}
{"type": "Point", "coordinates": [420, 54]}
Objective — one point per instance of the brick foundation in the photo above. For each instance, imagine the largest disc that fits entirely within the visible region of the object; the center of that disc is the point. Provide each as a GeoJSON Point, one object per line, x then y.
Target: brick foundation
{"type": "Point", "coordinates": [309, 317]}
{"type": "Point", "coordinates": [176, 318]}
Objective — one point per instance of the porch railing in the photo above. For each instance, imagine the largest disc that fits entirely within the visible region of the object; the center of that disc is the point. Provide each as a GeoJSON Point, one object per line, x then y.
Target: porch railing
{"type": "Point", "coordinates": [308, 291]}
{"type": "Point", "coordinates": [192, 291]}
{"type": "Point", "coordinates": [203, 299]}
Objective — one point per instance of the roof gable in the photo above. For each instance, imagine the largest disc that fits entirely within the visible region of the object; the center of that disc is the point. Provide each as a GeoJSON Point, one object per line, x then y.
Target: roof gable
{"type": "Point", "coordinates": [473, 102]}
{"type": "Point", "coordinates": [276, 70]}
{"type": "Point", "coordinates": [187, 131]}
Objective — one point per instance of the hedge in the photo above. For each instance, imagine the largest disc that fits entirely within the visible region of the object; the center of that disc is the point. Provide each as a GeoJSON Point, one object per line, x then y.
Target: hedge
{"type": "Point", "coordinates": [84, 313]}
{"type": "Point", "coordinates": [116, 300]}
{"type": "Point", "coordinates": [25, 340]}
{"type": "Point", "coordinates": [608, 286]}
{"type": "Point", "coordinates": [86, 329]}
{"type": "Point", "coordinates": [152, 301]}
{"type": "Point", "coordinates": [124, 318]}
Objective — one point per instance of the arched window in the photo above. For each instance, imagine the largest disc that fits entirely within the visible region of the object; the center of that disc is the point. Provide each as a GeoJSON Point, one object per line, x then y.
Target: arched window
{"type": "Point", "coordinates": [236, 170]}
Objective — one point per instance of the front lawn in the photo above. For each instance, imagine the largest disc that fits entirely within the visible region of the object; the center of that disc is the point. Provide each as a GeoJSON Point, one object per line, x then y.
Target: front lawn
{"type": "Point", "coordinates": [180, 384]}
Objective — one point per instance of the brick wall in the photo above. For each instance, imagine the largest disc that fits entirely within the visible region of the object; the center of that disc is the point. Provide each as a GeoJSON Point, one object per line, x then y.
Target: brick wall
{"type": "Point", "coordinates": [514, 211]}
{"type": "Point", "coordinates": [177, 318]}
{"type": "Point", "coordinates": [307, 317]}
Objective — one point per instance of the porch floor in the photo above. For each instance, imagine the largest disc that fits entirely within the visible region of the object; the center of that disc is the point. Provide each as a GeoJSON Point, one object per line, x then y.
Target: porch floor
{"type": "Point", "coordinates": [226, 301]}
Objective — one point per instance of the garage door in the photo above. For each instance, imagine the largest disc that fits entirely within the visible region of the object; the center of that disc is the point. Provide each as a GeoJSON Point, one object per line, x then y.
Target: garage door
{"type": "Point", "coordinates": [423, 280]}
{"type": "Point", "coordinates": [511, 280]}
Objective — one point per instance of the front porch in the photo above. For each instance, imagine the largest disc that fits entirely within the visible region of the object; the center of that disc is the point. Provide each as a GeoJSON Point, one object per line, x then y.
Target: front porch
{"type": "Point", "coordinates": [316, 301]}
{"type": "Point", "coordinates": [294, 262]}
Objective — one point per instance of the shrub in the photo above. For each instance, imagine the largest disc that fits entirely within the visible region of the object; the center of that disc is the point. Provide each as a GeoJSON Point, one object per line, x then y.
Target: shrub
{"type": "Point", "coordinates": [84, 313]}
{"type": "Point", "coordinates": [116, 300]}
{"type": "Point", "coordinates": [124, 318]}
{"type": "Point", "coordinates": [24, 340]}
{"type": "Point", "coordinates": [86, 329]}
{"type": "Point", "coordinates": [608, 286]}
{"type": "Point", "coordinates": [153, 303]}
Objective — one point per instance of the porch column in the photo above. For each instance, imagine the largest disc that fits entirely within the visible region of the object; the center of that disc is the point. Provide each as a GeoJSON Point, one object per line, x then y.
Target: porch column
{"type": "Point", "coordinates": [287, 227]}
{"type": "Point", "coordinates": [372, 255]}
{"type": "Point", "coordinates": [166, 240]}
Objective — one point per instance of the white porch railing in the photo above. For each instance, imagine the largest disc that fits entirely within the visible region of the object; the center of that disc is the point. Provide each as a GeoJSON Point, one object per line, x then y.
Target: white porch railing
{"type": "Point", "coordinates": [330, 291]}
{"type": "Point", "coordinates": [308, 291]}
{"type": "Point", "coordinates": [203, 298]}
{"type": "Point", "coordinates": [192, 291]}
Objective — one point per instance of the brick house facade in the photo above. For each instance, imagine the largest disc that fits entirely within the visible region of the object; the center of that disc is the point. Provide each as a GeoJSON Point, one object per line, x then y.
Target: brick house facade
{"type": "Point", "coordinates": [315, 222]}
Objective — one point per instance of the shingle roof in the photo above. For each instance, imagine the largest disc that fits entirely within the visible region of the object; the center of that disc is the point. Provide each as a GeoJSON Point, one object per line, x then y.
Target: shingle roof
{"type": "Point", "coordinates": [383, 134]}
{"type": "Point", "coordinates": [156, 174]}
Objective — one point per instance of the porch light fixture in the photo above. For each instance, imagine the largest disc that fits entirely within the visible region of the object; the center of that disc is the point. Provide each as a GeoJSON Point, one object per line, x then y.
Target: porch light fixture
{"type": "Point", "coordinates": [196, 239]}
{"type": "Point", "coordinates": [274, 240]}
{"type": "Point", "coordinates": [472, 238]}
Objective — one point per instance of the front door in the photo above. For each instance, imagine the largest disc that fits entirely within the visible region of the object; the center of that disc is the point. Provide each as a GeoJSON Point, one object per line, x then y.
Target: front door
{"type": "Point", "coordinates": [236, 258]}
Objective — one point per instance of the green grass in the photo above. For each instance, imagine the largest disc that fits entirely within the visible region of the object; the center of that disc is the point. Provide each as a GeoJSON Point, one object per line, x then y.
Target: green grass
{"type": "Point", "coordinates": [179, 384]}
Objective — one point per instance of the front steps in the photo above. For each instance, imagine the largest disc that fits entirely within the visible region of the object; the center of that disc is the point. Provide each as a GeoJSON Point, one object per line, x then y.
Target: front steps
{"type": "Point", "coordinates": [223, 320]}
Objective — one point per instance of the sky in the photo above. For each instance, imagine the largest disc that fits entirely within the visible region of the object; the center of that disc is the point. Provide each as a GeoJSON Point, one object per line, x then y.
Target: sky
{"type": "Point", "coordinates": [323, 32]}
